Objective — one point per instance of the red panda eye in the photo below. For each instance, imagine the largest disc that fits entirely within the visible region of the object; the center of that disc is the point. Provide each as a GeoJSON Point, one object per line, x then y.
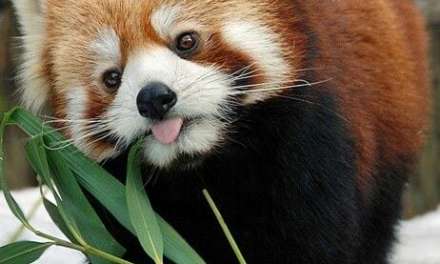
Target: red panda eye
{"type": "Point", "coordinates": [187, 43]}
{"type": "Point", "coordinates": [112, 79]}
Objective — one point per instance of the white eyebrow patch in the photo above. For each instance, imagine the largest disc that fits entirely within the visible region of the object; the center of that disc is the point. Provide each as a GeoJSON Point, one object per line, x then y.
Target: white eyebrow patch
{"type": "Point", "coordinates": [107, 45]}
{"type": "Point", "coordinates": [164, 19]}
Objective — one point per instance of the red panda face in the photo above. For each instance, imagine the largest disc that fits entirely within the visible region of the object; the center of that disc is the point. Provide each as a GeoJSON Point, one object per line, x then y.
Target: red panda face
{"type": "Point", "coordinates": [116, 70]}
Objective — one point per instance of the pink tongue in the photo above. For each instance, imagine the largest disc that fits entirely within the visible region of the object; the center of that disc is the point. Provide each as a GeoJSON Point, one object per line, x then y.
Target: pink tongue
{"type": "Point", "coordinates": [167, 131]}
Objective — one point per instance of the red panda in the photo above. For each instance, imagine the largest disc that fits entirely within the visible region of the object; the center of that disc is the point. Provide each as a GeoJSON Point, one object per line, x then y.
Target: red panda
{"type": "Point", "coordinates": [303, 118]}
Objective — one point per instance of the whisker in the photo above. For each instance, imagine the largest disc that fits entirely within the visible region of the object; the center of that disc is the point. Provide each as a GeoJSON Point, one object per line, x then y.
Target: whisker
{"type": "Point", "coordinates": [316, 104]}
{"type": "Point", "coordinates": [271, 83]}
{"type": "Point", "coordinates": [68, 142]}
{"type": "Point", "coordinates": [279, 88]}
{"type": "Point", "coordinates": [230, 78]}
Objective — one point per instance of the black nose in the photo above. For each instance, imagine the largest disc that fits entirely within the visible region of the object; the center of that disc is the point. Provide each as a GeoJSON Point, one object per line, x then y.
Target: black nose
{"type": "Point", "coordinates": [155, 100]}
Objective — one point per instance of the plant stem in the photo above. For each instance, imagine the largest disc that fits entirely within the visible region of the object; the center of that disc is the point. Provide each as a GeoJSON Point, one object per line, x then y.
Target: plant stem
{"type": "Point", "coordinates": [104, 255]}
{"type": "Point", "coordinates": [58, 242]}
{"type": "Point", "coordinates": [224, 227]}
{"type": "Point", "coordinates": [88, 250]}
{"type": "Point", "coordinates": [22, 228]}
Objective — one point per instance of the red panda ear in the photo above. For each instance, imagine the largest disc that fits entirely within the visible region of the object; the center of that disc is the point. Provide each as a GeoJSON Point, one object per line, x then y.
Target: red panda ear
{"type": "Point", "coordinates": [30, 15]}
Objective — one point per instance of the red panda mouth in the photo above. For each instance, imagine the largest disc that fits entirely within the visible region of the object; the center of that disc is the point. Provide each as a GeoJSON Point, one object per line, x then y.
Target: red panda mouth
{"type": "Point", "coordinates": [167, 131]}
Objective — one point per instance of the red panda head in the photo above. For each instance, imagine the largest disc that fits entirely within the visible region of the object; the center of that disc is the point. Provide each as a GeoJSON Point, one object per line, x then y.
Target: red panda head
{"type": "Point", "coordinates": [115, 70]}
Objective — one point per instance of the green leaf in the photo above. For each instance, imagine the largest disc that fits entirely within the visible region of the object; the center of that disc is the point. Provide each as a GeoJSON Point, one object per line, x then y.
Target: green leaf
{"type": "Point", "coordinates": [56, 217]}
{"type": "Point", "coordinates": [24, 252]}
{"type": "Point", "coordinates": [102, 185]}
{"type": "Point", "coordinates": [78, 208]}
{"type": "Point", "coordinates": [111, 194]}
{"type": "Point", "coordinates": [37, 157]}
{"type": "Point", "coordinates": [141, 213]}
{"type": "Point", "coordinates": [13, 205]}
{"type": "Point", "coordinates": [74, 215]}
{"type": "Point", "coordinates": [175, 247]}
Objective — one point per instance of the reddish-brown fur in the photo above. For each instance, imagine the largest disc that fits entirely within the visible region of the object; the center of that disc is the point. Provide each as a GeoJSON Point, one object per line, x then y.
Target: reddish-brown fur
{"type": "Point", "coordinates": [376, 59]}
{"type": "Point", "coordinates": [378, 44]}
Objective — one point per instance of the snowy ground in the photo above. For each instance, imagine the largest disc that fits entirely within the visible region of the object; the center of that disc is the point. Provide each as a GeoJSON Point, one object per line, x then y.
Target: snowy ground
{"type": "Point", "coordinates": [9, 226]}
{"type": "Point", "coordinates": [419, 239]}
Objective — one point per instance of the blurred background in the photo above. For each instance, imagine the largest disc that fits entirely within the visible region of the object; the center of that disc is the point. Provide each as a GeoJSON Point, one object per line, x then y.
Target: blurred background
{"type": "Point", "coordinates": [423, 192]}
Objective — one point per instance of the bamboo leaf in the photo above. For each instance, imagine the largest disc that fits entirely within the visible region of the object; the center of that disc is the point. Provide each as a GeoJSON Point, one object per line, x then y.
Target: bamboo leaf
{"type": "Point", "coordinates": [56, 217]}
{"type": "Point", "coordinates": [74, 215]}
{"type": "Point", "coordinates": [24, 252]}
{"type": "Point", "coordinates": [111, 194]}
{"type": "Point", "coordinates": [13, 205]}
{"type": "Point", "coordinates": [78, 208]}
{"type": "Point", "coordinates": [37, 157]}
{"type": "Point", "coordinates": [102, 185]}
{"type": "Point", "coordinates": [175, 247]}
{"type": "Point", "coordinates": [140, 210]}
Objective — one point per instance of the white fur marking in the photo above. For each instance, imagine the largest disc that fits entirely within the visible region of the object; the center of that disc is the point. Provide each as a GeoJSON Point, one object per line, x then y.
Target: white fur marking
{"type": "Point", "coordinates": [260, 42]}
{"type": "Point", "coordinates": [30, 14]}
{"type": "Point", "coordinates": [34, 87]}
{"type": "Point", "coordinates": [164, 19]}
{"type": "Point", "coordinates": [75, 112]}
{"type": "Point", "coordinates": [202, 92]}
{"type": "Point", "coordinates": [107, 45]}
{"type": "Point", "coordinates": [201, 136]}
{"type": "Point", "coordinates": [76, 99]}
